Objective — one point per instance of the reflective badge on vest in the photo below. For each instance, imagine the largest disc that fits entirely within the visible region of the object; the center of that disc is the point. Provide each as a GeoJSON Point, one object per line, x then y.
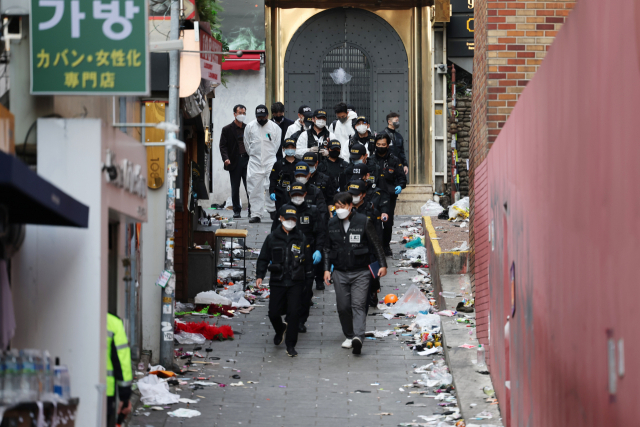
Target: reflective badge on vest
{"type": "Point", "coordinates": [354, 238]}
{"type": "Point", "coordinates": [391, 170]}
{"type": "Point", "coordinates": [295, 249]}
{"type": "Point", "coordinates": [304, 220]}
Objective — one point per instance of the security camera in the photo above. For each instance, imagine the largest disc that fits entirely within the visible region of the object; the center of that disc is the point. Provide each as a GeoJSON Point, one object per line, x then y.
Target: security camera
{"type": "Point", "coordinates": [441, 68]}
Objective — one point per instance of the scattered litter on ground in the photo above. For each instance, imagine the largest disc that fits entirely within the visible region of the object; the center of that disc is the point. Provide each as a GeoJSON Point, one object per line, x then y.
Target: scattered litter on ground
{"type": "Point", "coordinates": [155, 391]}
{"type": "Point", "coordinates": [184, 413]}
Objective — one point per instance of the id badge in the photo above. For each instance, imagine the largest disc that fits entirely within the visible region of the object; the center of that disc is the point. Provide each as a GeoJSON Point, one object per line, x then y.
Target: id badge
{"type": "Point", "coordinates": [354, 238]}
{"type": "Point", "coordinates": [295, 249]}
{"type": "Point", "coordinates": [304, 220]}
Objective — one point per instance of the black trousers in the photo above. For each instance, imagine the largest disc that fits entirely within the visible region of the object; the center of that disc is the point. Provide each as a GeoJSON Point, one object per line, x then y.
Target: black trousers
{"type": "Point", "coordinates": [319, 273]}
{"type": "Point", "coordinates": [289, 297]}
{"type": "Point", "coordinates": [305, 300]}
{"type": "Point", "coordinates": [111, 411]}
{"type": "Point", "coordinates": [236, 175]}
{"type": "Point", "coordinates": [388, 226]}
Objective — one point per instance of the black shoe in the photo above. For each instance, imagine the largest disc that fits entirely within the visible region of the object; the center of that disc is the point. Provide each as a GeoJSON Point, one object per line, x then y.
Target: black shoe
{"type": "Point", "coordinates": [310, 303]}
{"type": "Point", "coordinates": [273, 215]}
{"type": "Point", "coordinates": [320, 286]}
{"type": "Point", "coordinates": [388, 251]}
{"type": "Point", "coordinates": [292, 352]}
{"type": "Point", "coordinates": [356, 344]}
{"type": "Point", "coordinates": [236, 214]}
{"type": "Point", "coordinates": [279, 337]}
{"type": "Point", "coordinates": [302, 329]}
{"type": "Point", "coordinates": [254, 219]}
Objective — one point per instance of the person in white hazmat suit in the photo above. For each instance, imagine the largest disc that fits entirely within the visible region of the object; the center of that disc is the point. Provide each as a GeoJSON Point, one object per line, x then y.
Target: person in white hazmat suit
{"type": "Point", "coordinates": [299, 126]}
{"type": "Point", "coordinates": [343, 127]}
{"type": "Point", "coordinates": [262, 141]}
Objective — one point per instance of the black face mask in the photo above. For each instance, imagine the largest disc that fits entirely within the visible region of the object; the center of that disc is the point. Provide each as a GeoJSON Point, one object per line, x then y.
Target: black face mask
{"type": "Point", "coordinates": [382, 150]}
{"type": "Point", "coordinates": [262, 122]}
{"type": "Point", "coordinates": [278, 119]}
{"type": "Point", "coordinates": [334, 154]}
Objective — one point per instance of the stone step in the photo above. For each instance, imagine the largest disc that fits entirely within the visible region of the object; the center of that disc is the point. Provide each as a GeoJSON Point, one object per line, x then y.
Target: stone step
{"type": "Point", "coordinates": [412, 198]}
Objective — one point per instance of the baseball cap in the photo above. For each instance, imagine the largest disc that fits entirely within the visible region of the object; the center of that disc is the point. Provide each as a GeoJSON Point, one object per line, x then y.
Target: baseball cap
{"type": "Point", "coordinates": [358, 171]}
{"type": "Point", "coordinates": [320, 113]}
{"type": "Point", "coordinates": [362, 119]}
{"type": "Point", "coordinates": [288, 212]}
{"type": "Point", "coordinates": [334, 143]}
{"type": "Point", "coordinates": [357, 187]}
{"type": "Point", "coordinates": [298, 188]}
{"type": "Point", "coordinates": [307, 120]}
{"type": "Point", "coordinates": [351, 107]}
{"type": "Point", "coordinates": [310, 158]}
{"type": "Point", "coordinates": [301, 169]}
{"type": "Point", "coordinates": [357, 151]}
{"type": "Point", "coordinates": [288, 142]}
{"type": "Point", "coordinates": [304, 109]}
{"type": "Point", "coordinates": [262, 111]}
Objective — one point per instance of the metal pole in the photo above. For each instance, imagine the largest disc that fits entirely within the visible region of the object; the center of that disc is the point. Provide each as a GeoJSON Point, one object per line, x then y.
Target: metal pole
{"type": "Point", "coordinates": [166, 334]}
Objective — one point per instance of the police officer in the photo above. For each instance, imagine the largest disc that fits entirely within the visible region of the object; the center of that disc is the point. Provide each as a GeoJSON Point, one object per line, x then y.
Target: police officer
{"type": "Point", "coordinates": [317, 138]}
{"type": "Point", "coordinates": [284, 253]}
{"type": "Point", "coordinates": [363, 135]}
{"type": "Point", "coordinates": [351, 239]}
{"type": "Point", "coordinates": [314, 230]}
{"type": "Point", "coordinates": [333, 165]}
{"type": "Point", "coordinates": [358, 156]}
{"type": "Point", "coordinates": [396, 141]}
{"type": "Point", "coordinates": [118, 371]}
{"type": "Point", "coordinates": [318, 178]}
{"type": "Point", "coordinates": [389, 175]}
{"type": "Point", "coordinates": [277, 115]}
{"type": "Point", "coordinates": [300, 125]}
{"type": "Point", "coordinates": [282, 176]}
{"type": "Point", "coordinates": [373, 194]}
{"type": "Point", "coordinates": [314, 194]}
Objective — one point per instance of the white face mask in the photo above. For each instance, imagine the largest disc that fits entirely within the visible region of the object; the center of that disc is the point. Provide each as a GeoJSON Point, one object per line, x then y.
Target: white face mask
{"type": "Point", "coordinates": [297, 200]}
{"type": "Point", "coordinates": [361, 128]}
{"type": "Point", "coordinates": [356, 199]}
{"type": "Point", "coordinates": [289, 224]}
{"type": "Point", "coordinates": [342, 213]}
{"type": "Point", "coordinates": [240, 118]}
{"type": "Point", "coordinates": [321, 123]}
{"type": "Point", "coordinates": [302, 179]}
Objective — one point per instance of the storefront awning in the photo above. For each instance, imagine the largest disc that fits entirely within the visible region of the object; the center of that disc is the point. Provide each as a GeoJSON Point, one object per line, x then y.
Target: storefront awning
{"type": "Point", "coordinates": [250, 60]}
{"type": "Point", "coordinates": [30, 199]}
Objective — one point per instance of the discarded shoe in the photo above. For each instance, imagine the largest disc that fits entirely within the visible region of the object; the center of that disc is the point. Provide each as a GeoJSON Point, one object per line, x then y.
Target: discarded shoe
{"type": "Point", "coordinates": [357, 345]}
{"type": "Point", "coordinates": [302, 328]}
{"type": "Point", "coordinates": [279, 337]}
{"type": "Point", "coordinates": [292, 352]}
{"type": "Point", "coordinates": [254, 219]}
{"type": "Point", "coordinates": [462, 309]}
{"type": "Point", "coordinates": [346, 343]}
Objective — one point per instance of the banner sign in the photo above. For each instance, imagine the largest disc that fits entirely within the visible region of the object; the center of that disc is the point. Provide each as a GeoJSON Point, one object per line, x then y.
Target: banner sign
{"type": "Point", "coordinates": [89, 47]}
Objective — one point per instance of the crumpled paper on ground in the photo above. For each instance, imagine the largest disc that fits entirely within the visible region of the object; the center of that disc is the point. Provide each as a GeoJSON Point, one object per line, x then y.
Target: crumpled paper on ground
{"type": "Point", "coordinates": [380, 334]}
{"type": "Point", "coordinates": [412, 302]}
{"type": "Point", "coordinates": [154, 391]}
{"type": "Point", "coordinates": [184, 413]}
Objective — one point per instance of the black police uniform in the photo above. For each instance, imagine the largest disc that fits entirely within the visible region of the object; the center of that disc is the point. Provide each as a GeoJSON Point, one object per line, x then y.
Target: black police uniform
{"type": "Point", "coordinates": [314, 197]}
{"type": "Point", "coordinates": [369, 141]}
{"type": "Point", "coordinates": [287, 254]}
{"type": "Point", "coordinates": [280, 180]}
{"type": "Point", "coordinates": [324, 183]}
{"type": "Point", "coordinates": [352, 172]}
{"type": "Point", "coordinates": [389, 174]}
{"type": "Point", "coordinates": [335, 171]}
{"type": "Point", "coordinates": [396, 145]}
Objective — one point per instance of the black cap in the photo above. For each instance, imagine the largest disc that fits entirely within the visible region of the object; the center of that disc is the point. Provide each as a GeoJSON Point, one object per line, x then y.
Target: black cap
{"type": "Point", "coordinates": [288, 142]}
{"type": "Point", "coordinates": [298, 188]}
{"type": "Point", "coordinates": [357, 150]}
{"type": "Point", "coordinates": [262, 111]}
{"type": "Point", "coordinates": [351, 107]}
{"type": "Point", "coordinates": [362, 119]}
{"type": "Point", "coordinates": [320, 113]}
{"type": "Point", "coordinates": [334, 143]}
{"type": "Point", "coordinates": [304, 109]}
{"type": "Point", "coordinates": [308, 121]}
{"type": "Point", "coordinates": [357, 187]}
{"type": "Point", "coordinates": [310, 158]}
{"type": "Point", "coordinates": [302, 168]}
{"type": "Point", "coordinates": [359, 171]}
{"type": "Point", "coordinates": [288, 212]}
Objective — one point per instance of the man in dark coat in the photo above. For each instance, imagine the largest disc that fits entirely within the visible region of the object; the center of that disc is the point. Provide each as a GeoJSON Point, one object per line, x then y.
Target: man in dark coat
{"type": "Point", "coordinates": [235, 157]}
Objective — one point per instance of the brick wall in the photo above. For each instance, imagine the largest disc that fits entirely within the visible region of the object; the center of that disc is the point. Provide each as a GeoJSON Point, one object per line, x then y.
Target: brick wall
{"type": "Point", "coordinates": [512, 38]}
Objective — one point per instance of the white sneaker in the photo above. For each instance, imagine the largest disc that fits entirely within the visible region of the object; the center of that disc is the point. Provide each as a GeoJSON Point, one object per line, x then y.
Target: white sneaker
{"type": "Point", "coordinates": [346, 343]}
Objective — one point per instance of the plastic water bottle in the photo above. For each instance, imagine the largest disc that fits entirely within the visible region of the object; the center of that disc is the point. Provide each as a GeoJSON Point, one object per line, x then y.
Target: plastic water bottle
{"type": "Point", "coordinates": [480, 359]}
{"type": "Point", "coordinates": [29, 386]}
{"type": "Point", "coordinates": [11, 384]}
{"type": "Point", "coordinates": [47, 377]}
{"type": "Point", "coordinates": [62, 382]}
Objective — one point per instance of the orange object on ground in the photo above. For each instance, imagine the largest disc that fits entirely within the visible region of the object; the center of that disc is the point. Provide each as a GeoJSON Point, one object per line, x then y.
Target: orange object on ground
{"type": "Point", "coordinates": [163, 374]}
{"type": "Point", "coordinates": [390, 299]}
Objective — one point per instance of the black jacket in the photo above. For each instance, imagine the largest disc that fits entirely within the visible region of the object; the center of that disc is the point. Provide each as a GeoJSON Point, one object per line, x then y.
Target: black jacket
{"type": "Point", "coordinates": [284, 255]}
{"type": "Point", "coordinates": [368, 141]}
{"type": "Point", "coordinates": [312, 226]}
{"type": "Point", "coordinates": [347, 253]}
{"type": "Point", "coordinates": [284, 125]}
{"type": "Point", "coordinates": [335, 171]}
{"type": "Point", "coordinates": [229, 149]}
{"type": "Point", "coordinates": [389, 172]}
{"type": "Point", "coordinates": [324, 184]}
{"type": "Point", "coordinates": [397, 144]}
{"type": "Point", "coordinates": [281, 178]}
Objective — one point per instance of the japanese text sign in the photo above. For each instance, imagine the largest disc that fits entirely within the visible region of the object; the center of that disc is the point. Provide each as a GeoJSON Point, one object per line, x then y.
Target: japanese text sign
{"type": "Point", "coordinates": [81, 47]}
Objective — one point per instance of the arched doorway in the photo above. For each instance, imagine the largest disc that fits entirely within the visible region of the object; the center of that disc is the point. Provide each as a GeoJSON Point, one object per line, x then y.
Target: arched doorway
{"type": "Point", "coordinates": [363, 44]}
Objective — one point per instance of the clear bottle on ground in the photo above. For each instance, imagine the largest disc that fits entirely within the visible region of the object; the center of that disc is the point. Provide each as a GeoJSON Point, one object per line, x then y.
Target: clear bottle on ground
{"type": "Point", "coordinates": [61, 382]}
{"type": "Point", "coordinates": [28, 377]}
{"type": "Point", "coordinates": [11, 383]}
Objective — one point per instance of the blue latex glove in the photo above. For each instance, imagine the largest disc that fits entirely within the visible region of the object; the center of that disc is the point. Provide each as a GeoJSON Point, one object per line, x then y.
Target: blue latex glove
{"type": "Point", "coordinates": [317, 257]}
{"type": "Point", "coordinates": [398, 190]}
{"type": "Point", "coordinates": [273, 196]}
{"type": "Point", "coordinates": [332, 268]}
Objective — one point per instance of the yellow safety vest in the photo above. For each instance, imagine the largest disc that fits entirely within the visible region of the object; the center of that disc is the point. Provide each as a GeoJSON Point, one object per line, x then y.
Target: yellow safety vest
{"type": "Point", "coordinates": [117, 340]}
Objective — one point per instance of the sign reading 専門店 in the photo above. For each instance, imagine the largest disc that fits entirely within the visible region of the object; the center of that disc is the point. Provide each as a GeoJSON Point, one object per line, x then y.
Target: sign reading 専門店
{"type": "Point", "coordinates": [89, 47]}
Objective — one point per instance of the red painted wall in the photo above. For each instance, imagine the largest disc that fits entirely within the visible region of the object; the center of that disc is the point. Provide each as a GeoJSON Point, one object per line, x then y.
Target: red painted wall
{"type": "Point", "coordinates": [564, 198]}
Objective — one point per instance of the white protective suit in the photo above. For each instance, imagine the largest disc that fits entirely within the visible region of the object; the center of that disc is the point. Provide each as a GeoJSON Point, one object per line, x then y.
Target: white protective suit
{"type": "Point", "coordinates": [343, 132]}
{"type": "Point", "coordinates": [261, 143]}
{"type": "Point", "coordinates": [302, 146]}
{"type": "Point", "coordinates": [295, 127]}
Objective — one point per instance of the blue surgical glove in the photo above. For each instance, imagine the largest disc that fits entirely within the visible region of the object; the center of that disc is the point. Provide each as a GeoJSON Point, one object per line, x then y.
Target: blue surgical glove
{"type": "Point", "coordinates": [398, 190]}
{"type": "Point", "coordinates": [332, 268]}
{"type": "Point", "coordinates": [317, 257]}
{"type": "Point", "coordinates": [273, 196]}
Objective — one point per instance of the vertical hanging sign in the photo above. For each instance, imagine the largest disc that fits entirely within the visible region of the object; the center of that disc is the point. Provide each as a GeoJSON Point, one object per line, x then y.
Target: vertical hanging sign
{"type": "Point", "coordinates": [89, 47]}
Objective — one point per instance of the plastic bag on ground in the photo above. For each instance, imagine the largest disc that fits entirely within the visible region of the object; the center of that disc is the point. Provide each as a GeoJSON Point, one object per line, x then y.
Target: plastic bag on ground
{"type": "Point", "coordinates": [230, 273]}
{"type": "Point", "coordinates": [463, 247]}
{"type": "Point", "coordinates": [415, 243]}
{"type": "Point", "coordinates": [184, 413]}
{"type": "Point", "coordinates": [189, 338]}
{"type": "Point", "coordinates": [180, 307]}
{"type": "Point", "coordinates": [429, 321]}
{"type": "Point", "coordinates": [419, 252]}
{"type": "Point", "coordinates": [211, 297]}
{"type": "Point", "coordinates": [462, 210]}
{"type": "Point", "coordinates": [154, 391]}
{"type": "Point", "coordinates": [413, 301]}
{"type": "Point", "coordinates": [431, 208]}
